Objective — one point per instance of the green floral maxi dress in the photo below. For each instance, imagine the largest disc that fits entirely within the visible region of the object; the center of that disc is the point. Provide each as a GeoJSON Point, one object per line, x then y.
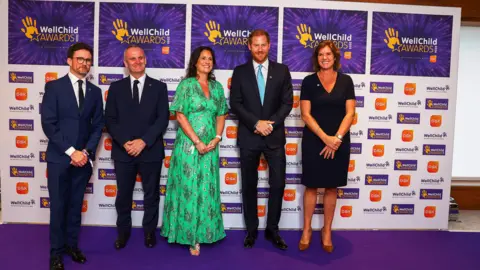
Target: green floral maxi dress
{"type": "Point", "coordinates": [192, 211]}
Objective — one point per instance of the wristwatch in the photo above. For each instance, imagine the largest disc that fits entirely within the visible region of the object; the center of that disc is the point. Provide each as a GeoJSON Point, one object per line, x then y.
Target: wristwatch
{"type": "Point", "coordinates": [340, 137]}
{"type": "Point", "coordinates": [219, 137]}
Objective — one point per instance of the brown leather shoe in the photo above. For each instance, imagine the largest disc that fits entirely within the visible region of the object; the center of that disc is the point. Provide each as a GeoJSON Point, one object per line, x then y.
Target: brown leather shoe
{"type": "Point", "coordinates": [328, 249]}
{"type": "Point", "coordinates": [302, 246]}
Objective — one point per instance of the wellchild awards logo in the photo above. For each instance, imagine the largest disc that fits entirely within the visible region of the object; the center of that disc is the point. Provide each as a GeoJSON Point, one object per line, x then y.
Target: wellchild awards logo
{"type": "Point", "coordinates": [158, 36]}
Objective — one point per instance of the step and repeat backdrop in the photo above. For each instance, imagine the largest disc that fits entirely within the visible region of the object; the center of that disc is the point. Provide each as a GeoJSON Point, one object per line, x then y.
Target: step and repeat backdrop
{"type": "Point", "coordinates": [404, 66]}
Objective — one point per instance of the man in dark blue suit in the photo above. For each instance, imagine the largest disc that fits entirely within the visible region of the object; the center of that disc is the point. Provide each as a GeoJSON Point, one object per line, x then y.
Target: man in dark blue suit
{"type": "Point", "coordinates": [137, 117]}
{"type": "Point", "coordinates": [262, 97]}
{"type": "Point", "coordinates": [72, 120]}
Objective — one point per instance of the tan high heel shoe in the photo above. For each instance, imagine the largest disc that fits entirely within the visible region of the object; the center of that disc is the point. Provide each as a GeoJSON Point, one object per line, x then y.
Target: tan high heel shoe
{"type": "Point", "coordinates": [302, 246]}
{"type": "Point", "coordinates": [195, 251]}
{"type": "Point", "coordinates": [328, 249]}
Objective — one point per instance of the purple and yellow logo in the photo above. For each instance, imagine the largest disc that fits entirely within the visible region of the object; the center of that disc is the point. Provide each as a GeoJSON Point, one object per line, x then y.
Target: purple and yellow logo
{"type": "Point", "coordinates": [408, 118]}
{"type": "Point", "coordinates": [106, 174]}
{"type": "Point", "coordinates": [403, 209]}
{"type": "Point", "coordinates": [431, 194]}
{"type": "Point", "coordinates": [406, 165]}
{"type": "Point", "coordinates": [22, 171]}
{"type": "Point", "coordinates": [293, 178]}
{"type": "Point", "coordinates": [376, 179]}
{"type": "Point", "coordinates": [42, 156]}
{"type": "Point", "coordinates": [137, 205]}
{"type": "Point", "coordinates": [229, 162]}
{"type": "Point", "coordinates": [107, 79]}
{"type": "Point", "coordinates": [21, 124]}
{"type": "Point", "coordinates": [381, 87]}
{"type": "Point", "coordinates": [348, 193]}
{"type": "Point", "coordinates": [163, 190]}
{"type": "Point", "coordinates": [379, 134]}
{"type": "Point", "coordinates": [263, 192]}
{"type": "Point", "coordinates": [434, 149]}
{"type": "Point", "coordinates": [360, 101]}
{"type": "Point", "coordinates": [355, 148]}
{"type": "Point", "coordinates": [231, 208]}
{"type": "Point", "coordinates": [20, 77]}
{"type": "Point", "coordinates": [89, 188]}
{"type": "Point", "coordinates": [293, 132]}
{"type": "Point", "coordinates": [44, 202]}
{"type": "Point", "coordinates": [168, 144]}
{"type": "Point", "coordinates": [436, 104]}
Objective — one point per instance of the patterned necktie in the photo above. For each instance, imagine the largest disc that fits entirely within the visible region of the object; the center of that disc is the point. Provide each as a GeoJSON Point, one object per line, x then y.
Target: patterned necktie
{"type": "Point", "coordinates": [136, 97]}
{"type": "Point", "coordinates": [261, 83]}
{"type": "Point", "coordinates": [81, 96]}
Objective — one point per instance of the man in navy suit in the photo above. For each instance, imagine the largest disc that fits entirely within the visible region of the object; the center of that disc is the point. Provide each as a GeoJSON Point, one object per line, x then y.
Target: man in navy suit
{"type": "Point", "coordinates": [262, 97]}
{"type": "Point", "coordinates": [137, 117]}
{"type": "Point", "coordinates": [72, 120]}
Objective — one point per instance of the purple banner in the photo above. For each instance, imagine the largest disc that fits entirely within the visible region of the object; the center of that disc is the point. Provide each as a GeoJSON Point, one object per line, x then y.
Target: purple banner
{"type": "Point", "coordinates": [408, 118]}
{"type": "Point", "coordinates": [405, 165]}
{"type": "Point", "coordinates": [379, 134]}
{"type": "Point", "coordinates": [304, 29]}
{"type": "Point", "coordinates": [376, 179]}
{"type": "Point", "coordinates": [107, 79]}
{"type": "Point", "coordinates": [355, 148]}
{"type": "Point", "coordinates": [226, 30]}
{"type": "Point", "coordinates": [158, 28]}
{"type": "Point", "coordinates": [381, 87]}
{"type": "Point", "coordinates": [434, 149]}
{"type": "Point", "coordinates": [20, 77]}
{"type": "Point", "coordinates": [229, 162]}
{"type": "Point", "coordinates": [360, 101]}
{"type": "Point", "coordinates": [411, 44]}
{"type": "Point", "coordinates": [40, 32]}
{"type": "Point", "coordinates": [294, 132]}
{"type": "Point", "coordinates": [436, 104]}
{"type": "Point", "coordinates": [431, 194]}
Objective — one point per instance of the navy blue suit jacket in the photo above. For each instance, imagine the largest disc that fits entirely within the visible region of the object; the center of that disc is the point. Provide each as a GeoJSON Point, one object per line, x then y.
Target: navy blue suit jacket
{"type": "Point", "coordinates": [65, 125]}
{"type": "Point", "coordinates": [127, 121]}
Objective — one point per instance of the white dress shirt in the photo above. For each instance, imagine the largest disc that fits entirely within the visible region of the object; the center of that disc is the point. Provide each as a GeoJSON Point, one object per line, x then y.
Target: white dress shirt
{"type": "Point", "coordinates": [264, 70]}
{"type": "Point", "coordinates": [74, 80]}
{"type": "Point", "coordinates": [140, 85]}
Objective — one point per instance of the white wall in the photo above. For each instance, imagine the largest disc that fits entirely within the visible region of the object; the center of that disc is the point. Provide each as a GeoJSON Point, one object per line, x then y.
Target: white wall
{"type": "Point", "coordinates": [467, 128]}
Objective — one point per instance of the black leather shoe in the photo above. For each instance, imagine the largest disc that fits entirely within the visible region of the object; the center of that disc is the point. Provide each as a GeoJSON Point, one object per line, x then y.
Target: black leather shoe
{"type": "Point", "coordinates": [56, 263]}
{"type": "Point", "coordinates": [76, 254]}
{"type": "Point", "coordinates": [276, 239]}
{"type": "Point", "coordinates": [121, 242]}
{"type": "Point", "coordinates": [150, 240]}
{"type": "Point", "coordinates": [249, 241]}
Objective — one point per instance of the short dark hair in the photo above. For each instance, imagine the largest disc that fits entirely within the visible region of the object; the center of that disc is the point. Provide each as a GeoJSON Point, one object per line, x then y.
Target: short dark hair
{"type": "Point", "coordinates": [258, 32]}
{"type": "Point", "coordinates": [335, 51]}
{"type": "Point", "coordinates": [132, 46]}
{"type": "Point", "coordinates": [192, 69]}
{"type": "Point", "coordinates": [78, 46]}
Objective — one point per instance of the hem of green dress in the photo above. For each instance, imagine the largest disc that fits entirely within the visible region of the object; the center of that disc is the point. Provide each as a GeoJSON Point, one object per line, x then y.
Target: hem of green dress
{"type": "Point", "coordinates": [170, 240]}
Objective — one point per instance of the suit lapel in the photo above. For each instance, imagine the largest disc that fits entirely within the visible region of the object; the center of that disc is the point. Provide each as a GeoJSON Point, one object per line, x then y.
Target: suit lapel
{"type": "Point", "coordinates": [88, 97]}
{"type": "Point", "coordinates": [269, 80]}
{"type": "Point", "coordinates": [253, 80]}
{"type": "Point", "coordinates": [70, 92]}
{"type": "Point", "coordinates": [146, 91]}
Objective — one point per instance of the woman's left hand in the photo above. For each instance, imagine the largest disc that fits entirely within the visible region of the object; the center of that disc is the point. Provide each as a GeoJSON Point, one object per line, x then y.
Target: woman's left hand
{"type": "Point", "coordinates": [327, 152]}
{"type": "Point", "coordinates": [212, 144]}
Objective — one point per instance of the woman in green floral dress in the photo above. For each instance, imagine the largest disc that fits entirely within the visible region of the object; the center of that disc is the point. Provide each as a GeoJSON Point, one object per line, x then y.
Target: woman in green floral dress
{"type": "Point", "coordinates": [192, 213]}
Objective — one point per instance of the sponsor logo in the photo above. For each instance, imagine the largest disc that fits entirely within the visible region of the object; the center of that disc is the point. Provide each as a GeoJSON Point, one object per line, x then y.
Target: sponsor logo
{"type": "Point", "coordinates": [409, 104]}
{"type": "Point", "coordinates": [42, 155]}
{"type": "Point", "coordinates": [438, 89]}
{"type": "Point", "coordinates": [107, 144]}
{"type": "Point", "coordinates": [293, 132]}
{"type": "Point", "coordinates": [293, 179]}
{"type": "Point", "coordinates": [138, 205]}
{"type": "Point", "coordinates": [166, 161]}
{"type": "Point", "coordinates": [403, 209]}
{"type": "Point", "coordinates": [25, 109]}
{"type": "Point", "coordinates": [354, 180]}
{"type": "Point", "coordinates": [44, 202]}
{"type": "Point", "coordinates": [356, 134]}
{"type": "Point", "coordinates": [377, 165]}
{"type": "Point", "coordinates": [404, 180]}
{"type": "Point", "coordinates": [51, 76]}
{"type": "Point", "coordinates": [110, 190]}
{"type": "Point", "coordinates": [22, 171]}
{"type": "Point", "coordinates": [22, 188]}
{"type": "Point", "coordinates": [292, 209]}
{"type": "Point", "coordinates": [380, 118]}
{"type": "Point", "coordinates": [435, 136]}
{"type": "Point", "coordinates": [89, 188]}
{"type": "Point", "coordinates": [231, 178]}
{"type": "Point", "coordinates": [355, 148]}
{"type": "Point", "coordinates": [261, 211]}
{"type": "Point", "coordinates": [360, 101]}
{"type": "Point", "coordinates": [231, 208]}
{"type": "Point", "coordinates": [376, 179]}
{"type": "Point", "coordinates": [434, 149]}
{"type": "Point", "coordinates": [410, 89]}
{"type": "Point", "coordinates": [29, 203]}
{"type": "Point", "coordinates": [106, 174]}
{"type": "Point", "coordinates": [431, 194]}
{"type": "Point", "coordinates": [291, 149]}
{"type": "Point", "coordinates": [380, 104]}
{"type": "Point", "coordinates": [289, 195]}
{"type": "Point", "coordinates": [351, 166]}
{"type": "Point", "coordinates": [229, 162]}
{"type": "Point", "coordinates": [404, 194]}
{"type": "Point", "coordinates": [435, 120]}
{"type": "Point", "coordinates": [348, 193]}
{"type": "Point", "coordinates": [430, 211]}
{"type": "Point", "coordinates": [381, 87]}
{"type": "Point", "coordinates": [378, 150]}
{"type": "Point", "coordinates": [263, 193]}
{"type": "Point", "coordinates": [375, 210]}
{"type": "Point", "coordinates": [375, 195]}
{"type": "Point", "coordinates": [21, 124]}
{"type": "Point", "coordinates": [408, 118]}
{"type": "Point", "coordinates": [346, 211]}
{"type": "Point", "coordinates": [231, 132]}
{"type": "Point", "coordinates": [163, 190]}
{"type": "Point", "coordinates": [405, 165]}
{"type": "Point", "coordinates": [84, 206]}
{"type": "Point", "coordinates": [20, 77]}
{"type": "Point", "coordinates": [407, 150]}
{"type": "Point", "coordinates": [379, 134]}
{"type": "Point", "coordinates": [168, 144]}
{"type": "Point", "coordinates": [432, 181]}
{"type": "Point", "coordinates": [436, 104]}
{"type": "Point", "coordinates": [107, 79]}
{"type": "Point", "coordinates": [407, 135]}
{"type": "Point", "coordinates": [21, 94]}
{"type": "Point", "coordinates": [432, 166]}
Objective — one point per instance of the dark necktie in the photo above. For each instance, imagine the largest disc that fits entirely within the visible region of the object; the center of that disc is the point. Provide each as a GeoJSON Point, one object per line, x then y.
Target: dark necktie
{"type": "Point", "coordinates": [81, 96]}
{"type": "Point", "coordinates": [136, 97]}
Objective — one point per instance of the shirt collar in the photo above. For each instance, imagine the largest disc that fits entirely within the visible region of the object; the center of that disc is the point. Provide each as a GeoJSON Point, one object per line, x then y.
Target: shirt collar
{"type": "Point", "coordinates": [74, 79]}
{"type": "Point", "coordinates": [264, 65]}
{"type": "Point", "coordinates": [141, 79]}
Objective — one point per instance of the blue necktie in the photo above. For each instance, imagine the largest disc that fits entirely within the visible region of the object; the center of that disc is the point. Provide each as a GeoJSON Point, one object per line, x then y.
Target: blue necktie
{"type": "Point", "coordinates": [261, 83]}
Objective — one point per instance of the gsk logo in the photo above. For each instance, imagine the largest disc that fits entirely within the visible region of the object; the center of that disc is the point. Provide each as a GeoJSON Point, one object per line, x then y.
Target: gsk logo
{"type": "Point", "coordinates": [21, 141]}
{"type": "Point", "coordinates": [263, 165]}
{"type": "Point", "coordinates": [231, 132]}
{"type": "Point", "coordinates": [22, 188]}
{"type": "Point", "coordinates": [410, 89]}
{"type": "Point", "coordinates": [404, 180]}
{"type": "Point", "coordinates": [289, 195]}
{"type": "Point", "coordinates": [21, 94]}
{"type": "Point", "coordinates": [346, 211]}
{"type": "Point", "coordinates": [432, 166]}
{"type": "Point", "coordinates": [375, 195]}
{"type": "Point", "coordinates": [107, 144]}
{"type": "Point", "coordinates": [351, 166]}
{"type": "Point", "coordinates": [430, 211]}
{"type": "Point", "coordinates": [231, 178]}
{"type": "Point", "coordinates": [296, 101]}
{"type": "Point", "coordinates": [229, 83]}
{"type": "Point", "coordinates": [51, 76]}
{"type": "Point", "coordinates": [436, 121]}
{"type": "Point", "coordinates": [380, 104]}
{"type": "Point", "coordinates": [166, 161]}
{"type": "Point", "coordinates": [110, 190]}
{"type": "Point", "coordinates": [355, 119]}
{"type": "Point", "coordinates": [291, 149]}
{"type": "Point", "coordinates": [85, 206]}
{"type": "Point", "coordinates": [378, 150]}
{"type": "Point", "coordinates": [261, 210]}
{"type": "Point", "coordinates": [105, 95]}
{"type": "Point", "coordinates": [407, 135]}
{"type": "Point", "coordinates": [138, 178]}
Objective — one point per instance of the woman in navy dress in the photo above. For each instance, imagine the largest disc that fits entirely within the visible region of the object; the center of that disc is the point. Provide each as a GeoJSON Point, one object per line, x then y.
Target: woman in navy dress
{"type": "Point", "coordinates": [327, 103]}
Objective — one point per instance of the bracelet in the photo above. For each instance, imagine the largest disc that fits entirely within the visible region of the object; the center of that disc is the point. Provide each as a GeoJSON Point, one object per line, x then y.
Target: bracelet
{"type": "Point", "coordinates": [218, 137]}
{"type": "Point", "coordinates": [196, 142]}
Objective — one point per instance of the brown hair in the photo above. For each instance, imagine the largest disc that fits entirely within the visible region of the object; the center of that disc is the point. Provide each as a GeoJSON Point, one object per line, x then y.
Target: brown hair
{"type": "Point", "coordinates": [258, 32]}
{"type": "Point", "coordinates": [335, 51]}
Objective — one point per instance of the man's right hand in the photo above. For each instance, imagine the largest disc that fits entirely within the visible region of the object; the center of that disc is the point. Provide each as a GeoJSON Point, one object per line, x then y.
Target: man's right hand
{"type": "Point", "coordinates": [79, 159]}
{"type": "Point", "coordinates": [264, 127]}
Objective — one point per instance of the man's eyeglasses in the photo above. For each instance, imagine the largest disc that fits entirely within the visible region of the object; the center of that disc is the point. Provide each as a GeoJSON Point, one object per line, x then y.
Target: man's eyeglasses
{"type": "Point", "coordinates": [82, 60]}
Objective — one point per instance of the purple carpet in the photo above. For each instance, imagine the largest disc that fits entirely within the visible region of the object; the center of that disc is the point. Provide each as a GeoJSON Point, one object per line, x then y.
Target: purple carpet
{"type": "Point", "coordinates": [26, 247]}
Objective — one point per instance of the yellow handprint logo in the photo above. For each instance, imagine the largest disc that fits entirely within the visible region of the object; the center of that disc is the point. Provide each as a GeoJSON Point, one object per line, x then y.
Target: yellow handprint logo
{"type": "Point", "coordinates": [374, 87]}
{"type": "Point", "coordinates": [103, 78]}
{"type": "Point", "coordinates": [13, 76]}
{"type": "Point", "coordinates": [399, 164]}
{"type": "Point", "coordinates": [427, 149]}
{"type": "Point", "coordinates": [424, 193]}
{"type": "Point", "coordinates": [14, 171]}
{"type": "Point", "coordinates": [396, 209]}
{"type": "Point", "coordinates": [13, 123]}
{"type": "Point", "coordinates": [121, 30]}
{"type": "Point", "coordinates": [30, 28]}
{"type": "Point", "coordinates": [213, 31]}
{"type": "Point", "coordinates": [304, 35]}
{"type": "Point", "coordinates": [392, 40]}
{"type": "Point", "coordinates": [401, 117]}
{"type": "Point", "coordinates": [372, 134]}
{"type": "Point", "coordinates": [430, 103]}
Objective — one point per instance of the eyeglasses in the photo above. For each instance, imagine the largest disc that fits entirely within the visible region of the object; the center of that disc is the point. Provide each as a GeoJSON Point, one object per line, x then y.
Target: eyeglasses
{"type": "Point", "coordinates": [82, 60]}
